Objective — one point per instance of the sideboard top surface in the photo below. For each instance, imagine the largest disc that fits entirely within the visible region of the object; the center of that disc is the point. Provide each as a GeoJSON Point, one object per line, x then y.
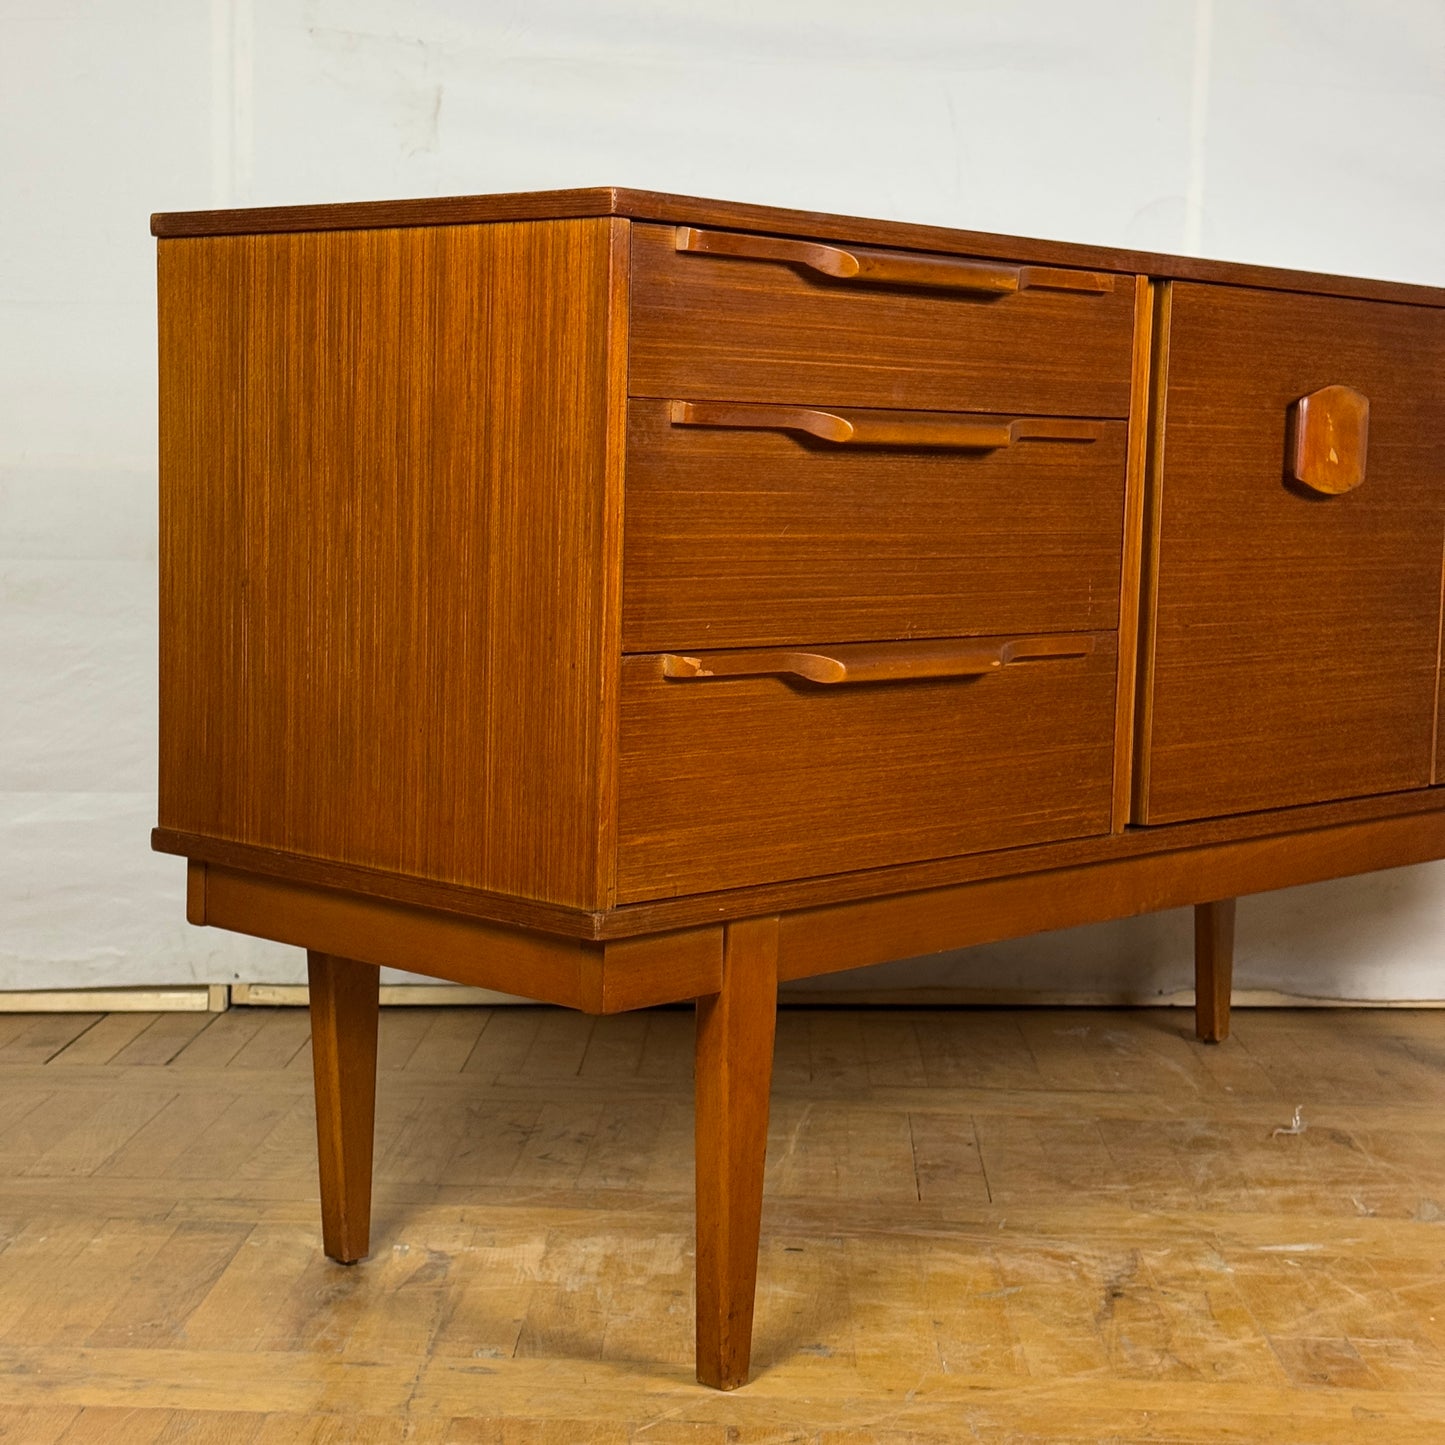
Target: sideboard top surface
{"type": "Point", "coordinates": [693, 210]}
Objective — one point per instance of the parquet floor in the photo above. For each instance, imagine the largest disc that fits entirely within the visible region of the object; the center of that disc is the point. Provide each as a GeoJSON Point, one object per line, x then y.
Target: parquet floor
{"type": "Point", "coordinates": [980, 1225]}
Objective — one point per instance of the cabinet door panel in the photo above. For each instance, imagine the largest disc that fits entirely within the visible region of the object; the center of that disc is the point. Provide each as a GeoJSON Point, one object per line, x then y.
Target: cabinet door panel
{"type": "Point", "coordinates": [1293, 650]}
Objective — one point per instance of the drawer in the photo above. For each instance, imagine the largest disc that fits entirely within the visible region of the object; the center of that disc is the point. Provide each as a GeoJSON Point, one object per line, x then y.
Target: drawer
{"type": "Point", "coordinates": [753, 525]}
{"type": "Point", "coordinates": [756, 318]}
{"type": "Point", "coordinates": [1295, 630]}
{"type": "Point", "coordinates": [746, 766]}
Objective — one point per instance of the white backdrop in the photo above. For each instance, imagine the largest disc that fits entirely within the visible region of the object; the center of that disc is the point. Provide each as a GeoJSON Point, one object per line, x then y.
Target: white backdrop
{"type": "Point", "coordinates": [1298, 132]}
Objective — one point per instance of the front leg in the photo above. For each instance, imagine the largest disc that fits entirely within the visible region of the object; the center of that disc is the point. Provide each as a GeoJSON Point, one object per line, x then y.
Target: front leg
{"type": "Point", "coordinates": [344, 1016]}
{"type": "Point", "coordinates": [733, 1078]}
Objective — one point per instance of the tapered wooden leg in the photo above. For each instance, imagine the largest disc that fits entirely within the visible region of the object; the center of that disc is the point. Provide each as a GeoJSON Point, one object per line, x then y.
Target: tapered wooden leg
{"type": "Point", "coordinates": [734, 1076]}
{"type": "Point", "coordinates": [344, 997]}
{"type": "Point", "coordinates": [1213, 969]}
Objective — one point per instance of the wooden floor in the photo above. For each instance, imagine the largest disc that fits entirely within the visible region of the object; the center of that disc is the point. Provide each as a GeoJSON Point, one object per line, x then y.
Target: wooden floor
{"type": "Point", "coordinates": [980, 1225]}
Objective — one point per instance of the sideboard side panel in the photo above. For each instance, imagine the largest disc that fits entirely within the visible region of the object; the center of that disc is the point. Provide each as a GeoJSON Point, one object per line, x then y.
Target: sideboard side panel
{"type": "Point", "coordinates": [391, 475]}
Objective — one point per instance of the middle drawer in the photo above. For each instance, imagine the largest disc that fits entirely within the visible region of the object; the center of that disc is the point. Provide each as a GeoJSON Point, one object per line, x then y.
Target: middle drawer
{"type": "Point", "coordinates": [759, 525]}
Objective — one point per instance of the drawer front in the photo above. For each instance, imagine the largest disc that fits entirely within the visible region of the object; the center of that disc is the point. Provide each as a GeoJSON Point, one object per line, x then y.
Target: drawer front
{"type": "Point", "coordinates": [1296, 625]}
{"type": "Point", "coordinates": [751, 525]}
{"type": "Point", "coordinates": [770, 329]}
{"type": "Point", "coordinates": [807, 763]}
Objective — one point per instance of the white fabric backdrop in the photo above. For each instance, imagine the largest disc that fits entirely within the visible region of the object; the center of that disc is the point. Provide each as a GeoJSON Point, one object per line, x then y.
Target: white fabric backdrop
{"type": "Point", "coordinates": [1298, 132]}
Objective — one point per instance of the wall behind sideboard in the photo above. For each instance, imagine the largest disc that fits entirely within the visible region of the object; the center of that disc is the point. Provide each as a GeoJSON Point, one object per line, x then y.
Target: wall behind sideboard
{"type": "Point", "coordinates": [1296, 132]}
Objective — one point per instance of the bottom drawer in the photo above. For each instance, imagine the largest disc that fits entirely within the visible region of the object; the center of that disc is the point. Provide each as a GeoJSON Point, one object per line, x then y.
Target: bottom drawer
{"type": "Point", "coordinates": [752, 766]}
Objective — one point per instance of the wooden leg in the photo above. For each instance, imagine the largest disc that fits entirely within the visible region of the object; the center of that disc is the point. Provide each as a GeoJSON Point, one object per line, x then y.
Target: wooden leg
{"type": "Point", "coordinates": [1213, 969]}
{"type": "Point", "coordinates": [734, 1076]}
{"type": "Point", "coordinates": [344, 996]}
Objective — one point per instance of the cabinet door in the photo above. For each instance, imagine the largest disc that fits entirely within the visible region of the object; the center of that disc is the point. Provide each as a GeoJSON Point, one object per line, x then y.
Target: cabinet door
{"type": "Point", "coordinates": [1292, 644]}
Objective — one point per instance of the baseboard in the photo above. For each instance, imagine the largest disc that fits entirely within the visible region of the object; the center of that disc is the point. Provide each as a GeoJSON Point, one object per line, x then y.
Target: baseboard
{"type": "Point", "coordinates": [183, 998]}
{"type": "Point", "coordinates": [434, 995]}
{"type": "Point", "coordinates": [454, 995]}
{"type": "Point", "coordinates": [216, 998]}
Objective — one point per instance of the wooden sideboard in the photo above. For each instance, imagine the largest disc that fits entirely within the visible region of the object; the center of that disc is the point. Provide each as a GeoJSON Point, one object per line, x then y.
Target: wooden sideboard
{"type": "Point", "coordinates": [619, 599]}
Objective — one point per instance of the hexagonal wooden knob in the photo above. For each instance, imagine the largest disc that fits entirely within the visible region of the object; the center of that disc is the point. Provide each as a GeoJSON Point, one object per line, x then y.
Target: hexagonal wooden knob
{"type": "Point", "coordinates": [1330, 435]}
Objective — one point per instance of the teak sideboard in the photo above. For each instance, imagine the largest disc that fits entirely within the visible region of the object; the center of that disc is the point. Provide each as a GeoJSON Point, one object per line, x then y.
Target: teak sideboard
{"type": "Point", "coordinates": [618, 599]}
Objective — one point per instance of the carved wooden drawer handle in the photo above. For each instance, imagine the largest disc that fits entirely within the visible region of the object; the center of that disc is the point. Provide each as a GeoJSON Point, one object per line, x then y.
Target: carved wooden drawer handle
{"type": "Point", "coordinates": [877, 661]}
{"type": "Point", "coordinates": [846, 427]}
{"type": "Point", "coordinates": [893, 268]}
{"type": "Point", "coordinates": [1329, 439]}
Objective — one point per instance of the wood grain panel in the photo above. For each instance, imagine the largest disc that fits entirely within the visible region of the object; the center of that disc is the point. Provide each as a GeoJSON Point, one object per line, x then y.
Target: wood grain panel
{"type": "Point", "coordinates": [1295, 637]}
{"type": "Point", "coordinates": [391, 491]}
{"type": "Point", "coordinates": [731, 781]}
{"type": "Point", "coordinates": [774, 220]}
{"type": "Point", "coordinates": [756, 537]}
{"type": "Point", "coordinates": [747, 330]}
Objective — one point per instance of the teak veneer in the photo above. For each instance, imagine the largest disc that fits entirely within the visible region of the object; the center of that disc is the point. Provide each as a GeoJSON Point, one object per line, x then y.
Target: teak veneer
{"type": "Point", "coordinates": [622, 599]}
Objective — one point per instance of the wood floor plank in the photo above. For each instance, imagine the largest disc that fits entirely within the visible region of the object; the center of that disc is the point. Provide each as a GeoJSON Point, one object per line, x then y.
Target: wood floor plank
{"type": "Point", "coordinates": [176, 1279]}
{"type": "Point", "coordinates": [42, 1247]}
{"type": "Point", "coordinates": [407, 1287]}
{"type": "Point", "coordinates": [222, 1149]}
{"type": "Point", "coordinates": [226, 1035]}
{"type": "Point", "coordinates": [336, 1430]}
{"type": "Point", "coordinates": [274, 1046]}
{"type": "Point", "coordinates": [16, 1103]}
{"type": "Point", "coordinates": [91, 1282]}
{"type": "Point", "coordinates": [211, 1427]}
{"type": "Point", "coordinates": [558, 1047]}
{"type": "Point", "coordinates": [947, 1162]}
{"type": "Point", "coordinates": [36, 1129]}
{"type": "Point", "coordinates": [40, 1426]}
{"type": "Point", "coordinates": [490, 1139]}
{"type": "Point", "coordinates": [85, 1148]}
{"type": "Point", "coordinates": [837, 1056]}
{"type": "Point", "coordinates": [668, 1048]}
{"type": "Point", "coordinates": [401, 1034]}
{"type": "Point", "coordinates": [288, 1152]}
{"type": "Point", "coordinates": [45, 1035]}
{"type": "Point", "coordinates": [486, 1306]}
{"type": "Point", "coordinates": [621, 1152]}
{"type": "Point", "coordinates": [614, 1048]}
{"type": "Point", "coordinates": [12, 1024]}
{"type": "Point", "coordinates": [418, 1149]}
{"type": "Point", "coordinates": [449, 1040]}
{"type": "Point", "coordinates": [505, 1043]}
{"type": "Point", "coordinates": [100, 1044]}
{"type": "Point", "coordinates": [984, 1050]}
{"type": "Point", "coordinates": [890, 1044]}
{"type": "Point", "coordinates": [234, 1314]}
{"type": "Point", "coordinates": [167, 1035]}
{"type": "Point", "coordinates": [556, 1146]}
{"type": "Point", "coordinates": [174, 1131]}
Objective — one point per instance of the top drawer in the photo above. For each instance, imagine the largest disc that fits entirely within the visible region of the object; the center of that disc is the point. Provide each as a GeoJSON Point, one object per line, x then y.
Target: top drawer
{"type": "Point", "coordinates": [758, 318]}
